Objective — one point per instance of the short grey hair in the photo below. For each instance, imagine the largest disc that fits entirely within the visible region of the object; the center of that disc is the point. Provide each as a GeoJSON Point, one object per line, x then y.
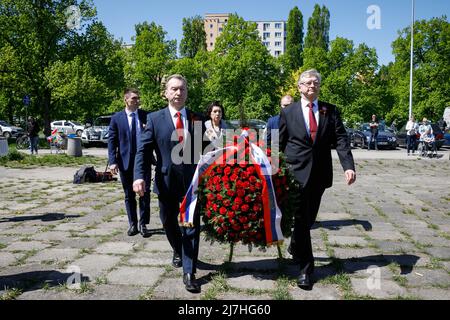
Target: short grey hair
{"type": "Point", "coordinates": [174, 76]}
{"type": "Point", "coordinates": [309, 74]}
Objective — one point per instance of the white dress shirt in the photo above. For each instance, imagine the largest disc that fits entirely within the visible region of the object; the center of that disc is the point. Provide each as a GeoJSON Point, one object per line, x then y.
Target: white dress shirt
{"type": "Point", "coordinates": [173, 114]}
{"type": "Point", "coordinates": [305, 110]}
{"type": "Point", "coordinates": [130, 118]}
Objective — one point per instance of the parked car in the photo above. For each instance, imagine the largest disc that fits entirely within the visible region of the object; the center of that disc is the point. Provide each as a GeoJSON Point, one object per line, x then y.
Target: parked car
{"type": "Point", "coordinates": [68, 127]}
{"type": "Point", "coordinates": [447, 138]}
{"type": "Point", "coordinates": [10, 131]}
{"type": "Point", "coordinates": [97, 132]}
{"type": "Point", "coordinates": [438, 135]}
{"type": "Point", "coordinates": [255, 124]}
{"type": "Point", "coordinates": [386, 138]}
{"type": "Point", "coordinates": [356, 139]}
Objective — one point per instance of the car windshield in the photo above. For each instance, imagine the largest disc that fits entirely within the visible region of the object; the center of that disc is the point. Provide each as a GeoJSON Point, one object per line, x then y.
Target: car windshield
{"type": "Point", "coordinates": [76, 123]}
{"type": "Point", "coordinates": [5, 124]}
{"type": "Point", "coordinates": [366, 127]}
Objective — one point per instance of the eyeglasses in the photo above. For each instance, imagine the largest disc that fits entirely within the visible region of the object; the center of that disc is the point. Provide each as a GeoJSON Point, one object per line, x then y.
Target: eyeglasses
{"type": "Point", "coordinates": [309, 83]}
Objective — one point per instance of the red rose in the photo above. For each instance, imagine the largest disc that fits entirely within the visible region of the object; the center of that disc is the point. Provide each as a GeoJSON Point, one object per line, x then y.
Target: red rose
{"type": "Point", "coordinates": [210, 196]}
{"type": "Point", "coordinates": [245, 207]}
{"type": "Point", "coordinates": [226, 186]}
{"type": "Point", "coordinates": [218, 188]}
{"type": "Point", "coordinates": [258, 185]}
{"type": "Point", "coordinates": [256, 207]}
{"type": "Point", "coordinates": [223, 210]}
{"type": "Point", "coordinates": [221, 219]}
{"type": "Point", "coordinates": [252, 216]}
{"type": "Point", "coordinates": [230, 193]}
{"type": "Point", "coordinates": [219, 170]}
{"type": "Point", "coordinates": [233, 177]}
{"type": "Point", "coordinates": [219, 197]}
{"type": "Point", "coordinates": [246, 184]}
{"type": "Point", "coordinates": [216, 180]}
{"type": "Point", "coordinates": [236, 227]}
{"type": "Point", "coordinates": [236, 171]}
{"type": "Point", "coordinates": [258, 199]}
{"type": "Point", "coordinates": [226, 203]}
{"type": "Point", "coordinates": [208, 213]}
{"type": "Point", "coordinates": [215, 207]}
{"type": "Point", "coordinates": [247, 226]}
{"type": "Point", "coordinates": [252, 189]}
{"type": "Point", "coordinates": [225, 179]}
{"type": "Point", "coordinates": [238, 201]}
{"type": "Point", "coordinates": [243, 219]}
{"type": "Point", "coordinates": [240, 193]}
{"type": "Point", "coordinates": [227, 171]}
{"type": "Point", "coordinates": [252, 179]}
{"type": "Point", "coordinates": [244, 175]}
{"type": "Point", "coordinates": [235, 207]}
{"type": "Point", "coordinates": [251, 170]}
{"type": "Point", "coordinates": [231, 214]}
{"type": "Point", "coordinates": [248, 199]}
{"type": "Point", "coordinates": [219, 230]}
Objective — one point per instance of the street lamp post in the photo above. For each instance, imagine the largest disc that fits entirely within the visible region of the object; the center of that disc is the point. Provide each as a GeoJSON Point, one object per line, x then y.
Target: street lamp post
{"type": "Point", "coordinates": [412, 63]}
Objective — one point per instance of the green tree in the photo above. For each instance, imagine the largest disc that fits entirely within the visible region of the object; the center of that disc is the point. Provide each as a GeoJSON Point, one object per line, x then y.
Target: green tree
{"type": "Point", "coordinates": [294, 39]}
{"type": "Point", "coordinates": [40, 44]}
{"type": "Point", "coordinates": [245, 76]}
{"type": "Point", "coordinates": [318, 35]}
{"type": "Point", "coordinates": [194, 37]}
{"type": "Point", "coordinates": [149, 60]}
{"type": "Point", "coordinates": [431, 88]}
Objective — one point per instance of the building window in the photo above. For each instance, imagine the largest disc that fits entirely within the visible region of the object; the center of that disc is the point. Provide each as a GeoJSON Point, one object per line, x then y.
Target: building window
{"type": "Point", "coordinates": [277, 43]}
{"type": "Point", "coordinates": [266, 26]}
{"type": "Point", "coordinates": [220, 29]}
{"type": "Point", "coordinates": [210, 44]}
{"type": "Point", "coordinates": [266, 35]}
{"type": "Point", "coordinates": [211, 35]}
{"type": "Point", "coordinates": [277, 25]}
{"type": "Point", "coordinates": [277, 53]}
{"type": "Point", "coordinates": [277, 34]}
{"type": "Point", "coordinates": [266, 44]}
{"type": "Point", "coordinates": [210, 26]}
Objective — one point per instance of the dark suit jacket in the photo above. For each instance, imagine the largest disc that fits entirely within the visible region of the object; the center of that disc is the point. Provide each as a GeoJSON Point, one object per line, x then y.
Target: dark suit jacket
{"type": "Point", "coordinates": [119, 140]}
{"type": "Point", "coordinates": [171, 179]}
{"type": "Point", "coordinates": [272, 123]}
{"type": "Point", "coordinates": [303, 155]}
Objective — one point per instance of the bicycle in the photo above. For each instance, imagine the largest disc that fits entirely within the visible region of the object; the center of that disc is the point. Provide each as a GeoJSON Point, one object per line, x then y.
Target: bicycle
{"type": "Point", "coordinates": [23, 142]}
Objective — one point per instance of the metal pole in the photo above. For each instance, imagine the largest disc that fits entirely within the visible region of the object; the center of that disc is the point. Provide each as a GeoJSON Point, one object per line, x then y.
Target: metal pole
{"type": "Point", "coordinates": [412, 63]}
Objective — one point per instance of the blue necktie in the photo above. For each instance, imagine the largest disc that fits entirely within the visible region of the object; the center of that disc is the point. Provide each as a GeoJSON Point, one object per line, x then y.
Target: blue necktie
{"type": "Point", "coordinates": [133, 133]}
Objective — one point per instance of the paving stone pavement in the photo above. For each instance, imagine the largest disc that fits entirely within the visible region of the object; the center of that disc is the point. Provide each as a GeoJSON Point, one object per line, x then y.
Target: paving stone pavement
{"type": "Point", "coordinates": [385, 237]}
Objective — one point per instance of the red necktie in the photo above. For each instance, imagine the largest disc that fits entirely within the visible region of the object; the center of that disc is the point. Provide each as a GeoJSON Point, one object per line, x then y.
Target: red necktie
{"type": "Point", "coordinates": [312, 122]}
{"type": "Point", "coordinates": [180, 128]}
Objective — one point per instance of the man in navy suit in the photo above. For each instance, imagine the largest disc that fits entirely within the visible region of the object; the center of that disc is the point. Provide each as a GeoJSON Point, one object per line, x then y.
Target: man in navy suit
{"type": "Point", "coordinates": [124, 131]}
{"type": "Point", "coordinates": [274, 122]}
{"type": "Point", "coordinates": [170, 134]}
{"type": "Point", "coordinates": [308, 128]}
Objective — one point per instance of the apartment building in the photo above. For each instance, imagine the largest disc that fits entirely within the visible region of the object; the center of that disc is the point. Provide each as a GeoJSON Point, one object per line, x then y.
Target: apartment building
{"type": "Point", "coordinates": [214, 24]}
{"type": "Point", "coordinates": [272, 33]}
{"type": "Point", "coordinates": [273, 36]}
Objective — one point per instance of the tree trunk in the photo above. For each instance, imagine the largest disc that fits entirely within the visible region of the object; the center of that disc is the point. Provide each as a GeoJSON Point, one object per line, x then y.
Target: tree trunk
{"type": "Point", "coordinates": [46, 106]}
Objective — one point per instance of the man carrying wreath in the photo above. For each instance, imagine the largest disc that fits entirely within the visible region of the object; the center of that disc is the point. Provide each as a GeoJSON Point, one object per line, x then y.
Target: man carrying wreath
{"type": "Point", "coordinates": [308, 128]}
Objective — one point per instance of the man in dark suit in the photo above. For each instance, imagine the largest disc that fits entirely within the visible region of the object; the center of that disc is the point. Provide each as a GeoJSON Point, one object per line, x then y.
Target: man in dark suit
{"type": "Point", "coordinates": [274, 122]}
{"type": "Point", "coordinates": [308, 128]}
{"type": "Point", "coordinates": [170, 134]}
{"type": "Point", "coordinates": [124, 131]}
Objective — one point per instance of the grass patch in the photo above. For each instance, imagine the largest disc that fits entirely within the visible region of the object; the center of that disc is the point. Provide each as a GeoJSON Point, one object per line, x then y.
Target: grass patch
{"type": "Point", "coordinates": [219, 285]}
{"type": "Point", "coordinates": [401, 280]}
{"type": "Point", "coordinates": [21, 261]}
{"type": "Point", "coordinates": [11, 294]}
{"type": "Point", "coordinates": [16, 159]}
{"type": "Point", "coordinates": [281, 291]}
{"type": "Point", "coordinates": [2, 246]}
{"type": "Point", "coordinates": [408, 211]}
{"type": "Point", "coordinates": [378, 210]}
{"type": "Point", "coordinates": [433, 226]}
{"type": "Point", "coordinates": [424, 209]}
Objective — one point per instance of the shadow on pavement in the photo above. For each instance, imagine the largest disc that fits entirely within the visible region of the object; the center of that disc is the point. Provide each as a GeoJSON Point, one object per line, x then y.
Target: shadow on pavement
{"type": "Point", "coordinates": [338, 224]}
{"type": "Point", "coordinates": [42, 217]}
{"type": "Point", "coordinates": [35, 280]}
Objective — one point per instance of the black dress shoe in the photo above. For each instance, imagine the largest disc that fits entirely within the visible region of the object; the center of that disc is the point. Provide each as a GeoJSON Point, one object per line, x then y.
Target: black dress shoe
{"type": "Point", "coordinates": [133, 230]}
{"type": "Point", "coordinates": [304, 281]}
{"type": "Point", "coordinates": [176, 260]}
{"type": "Point", "coordinates": [144, 231]}
{"type": "Point", "coordinates": [190, 283]}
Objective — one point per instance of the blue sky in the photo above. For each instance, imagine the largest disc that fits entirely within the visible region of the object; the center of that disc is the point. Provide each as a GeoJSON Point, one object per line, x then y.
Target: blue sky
{"type": "Point", "coordinates": [348, 17]}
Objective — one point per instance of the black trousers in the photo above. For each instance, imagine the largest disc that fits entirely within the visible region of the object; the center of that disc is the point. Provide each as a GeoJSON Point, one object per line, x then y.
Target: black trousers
{"type": "Point", "coordinates": [184, 241]}
{"type": "Point", "coordinates": [309, 202]}
{"type": "Point", "coordinates": [126, 177]}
